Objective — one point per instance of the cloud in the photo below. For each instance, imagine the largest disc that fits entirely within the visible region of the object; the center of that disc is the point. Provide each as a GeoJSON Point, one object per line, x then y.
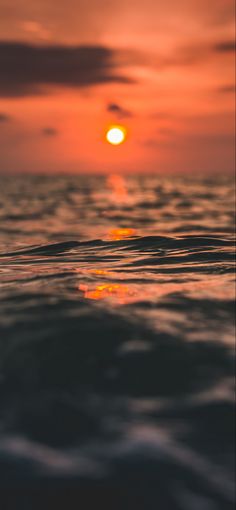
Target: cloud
{"type": "Point", "coordinates": [183, 56]}
{"type": "Point", "coordinates": [31, 70]}
{"type": "Point", "coordinates": [225, 46]}
{"type": "Point", "coordinates": [4, 117]}
{"type": "Point", "coordinates": [27, 69]}
{"type": "Point", "coordinates": [199, 52]}
{"type": "Point", "coordinates": [117, 110]}
{"type": "Point", "coordinates": [49, 131]}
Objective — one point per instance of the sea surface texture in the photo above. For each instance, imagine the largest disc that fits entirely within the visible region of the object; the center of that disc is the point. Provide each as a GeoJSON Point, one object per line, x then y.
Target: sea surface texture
{"type": "Point", "coordinates": [117, 336]}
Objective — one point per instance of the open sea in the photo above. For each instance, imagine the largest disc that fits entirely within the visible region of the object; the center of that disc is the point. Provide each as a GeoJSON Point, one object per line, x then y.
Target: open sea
{"type": "Point", "coordinates": [117, 341]}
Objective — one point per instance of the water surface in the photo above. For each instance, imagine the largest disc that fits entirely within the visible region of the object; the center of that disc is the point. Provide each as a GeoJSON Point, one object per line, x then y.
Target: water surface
{"type": "Point", "coordinates": [117, 336]}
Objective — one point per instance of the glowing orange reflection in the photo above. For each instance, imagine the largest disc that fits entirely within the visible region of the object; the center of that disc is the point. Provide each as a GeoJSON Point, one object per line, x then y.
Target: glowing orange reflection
{"type": "Point", "coordinates": [99, 271]}
{"type": "Point", "coordinates": [106, 290]}
{"type": "Point", "coordinates": [118, 188]}
{"type": "Point", "coordinates": [121, 233]}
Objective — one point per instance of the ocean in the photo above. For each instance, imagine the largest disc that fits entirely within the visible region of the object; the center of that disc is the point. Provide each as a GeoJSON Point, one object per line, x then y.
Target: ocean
{"type": "Point", "coordinates": [117, 340]}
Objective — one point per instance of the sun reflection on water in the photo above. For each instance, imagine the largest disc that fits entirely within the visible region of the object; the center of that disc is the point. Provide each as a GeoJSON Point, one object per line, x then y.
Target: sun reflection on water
{"type": "Point", "coordinates": [120, 292]}
{"type": "Point", "coordinates": [118, 188]}
{"type": "Point", "coordinates": [117, 234]}
{"type": "Point", "coordinates": [119, 195]}
{"type": "Point", "coordinates": [102, 272]}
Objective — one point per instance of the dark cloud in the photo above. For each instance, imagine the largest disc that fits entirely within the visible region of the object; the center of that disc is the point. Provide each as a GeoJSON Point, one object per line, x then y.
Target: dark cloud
{"type": "Point", "coordinates": [26, 69]}
{"type": "Point", "coordinates": [4, 117]}
{"type": "Point", "coordinates": [225, 47]}
{"type": "Point", "coordinates": [117, 110]}
{"type": "Point", "coordinates": [49, 131]}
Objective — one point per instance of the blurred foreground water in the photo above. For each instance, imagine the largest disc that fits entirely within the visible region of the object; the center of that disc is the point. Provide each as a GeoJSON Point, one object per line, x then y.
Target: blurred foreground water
{"type": "Point", "coordinates": [117, 337]}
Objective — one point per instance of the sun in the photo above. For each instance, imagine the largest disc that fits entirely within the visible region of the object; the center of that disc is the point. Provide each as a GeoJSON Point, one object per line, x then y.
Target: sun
{"type": "Point", "coordinates": [116, 135]}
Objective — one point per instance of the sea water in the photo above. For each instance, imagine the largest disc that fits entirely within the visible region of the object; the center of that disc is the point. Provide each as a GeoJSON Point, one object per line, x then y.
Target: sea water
{"type": "Point", "coordinates": [117, 335]}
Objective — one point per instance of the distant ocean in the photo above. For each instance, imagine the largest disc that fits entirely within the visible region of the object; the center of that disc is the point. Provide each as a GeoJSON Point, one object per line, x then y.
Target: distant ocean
{"type": "Point", "coordinates": [117, 339]}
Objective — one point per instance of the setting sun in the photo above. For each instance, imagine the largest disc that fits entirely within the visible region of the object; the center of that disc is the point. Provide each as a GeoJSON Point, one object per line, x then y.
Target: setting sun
{"type": "Point", "coordinates": [116, 135]}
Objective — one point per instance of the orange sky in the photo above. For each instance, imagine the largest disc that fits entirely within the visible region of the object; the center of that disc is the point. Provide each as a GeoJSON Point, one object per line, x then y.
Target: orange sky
{"type": "Point", "coordinates": [163, 69]}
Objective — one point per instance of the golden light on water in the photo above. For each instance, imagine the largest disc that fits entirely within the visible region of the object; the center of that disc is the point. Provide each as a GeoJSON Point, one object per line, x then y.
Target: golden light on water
{"type": "Point", "coordinates": [106, 290]}
{"type": "Point", "coordinates": [117, 234]}
{"type": "Point", "coordinates": [116, 135]}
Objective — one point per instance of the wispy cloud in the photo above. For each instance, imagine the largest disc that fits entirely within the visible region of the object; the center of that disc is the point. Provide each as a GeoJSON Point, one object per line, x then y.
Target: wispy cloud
{"type": "Point", "coordinates": [195, 53]}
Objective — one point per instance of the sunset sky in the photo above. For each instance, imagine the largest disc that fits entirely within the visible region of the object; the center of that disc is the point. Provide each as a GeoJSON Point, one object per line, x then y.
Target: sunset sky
{"type": "Point", "coordinates": [69, 69]}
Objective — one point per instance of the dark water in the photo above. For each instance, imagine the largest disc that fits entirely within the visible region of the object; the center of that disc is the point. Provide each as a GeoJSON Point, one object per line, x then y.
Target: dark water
{"type": "Point", "coordinates": [117, 337]}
